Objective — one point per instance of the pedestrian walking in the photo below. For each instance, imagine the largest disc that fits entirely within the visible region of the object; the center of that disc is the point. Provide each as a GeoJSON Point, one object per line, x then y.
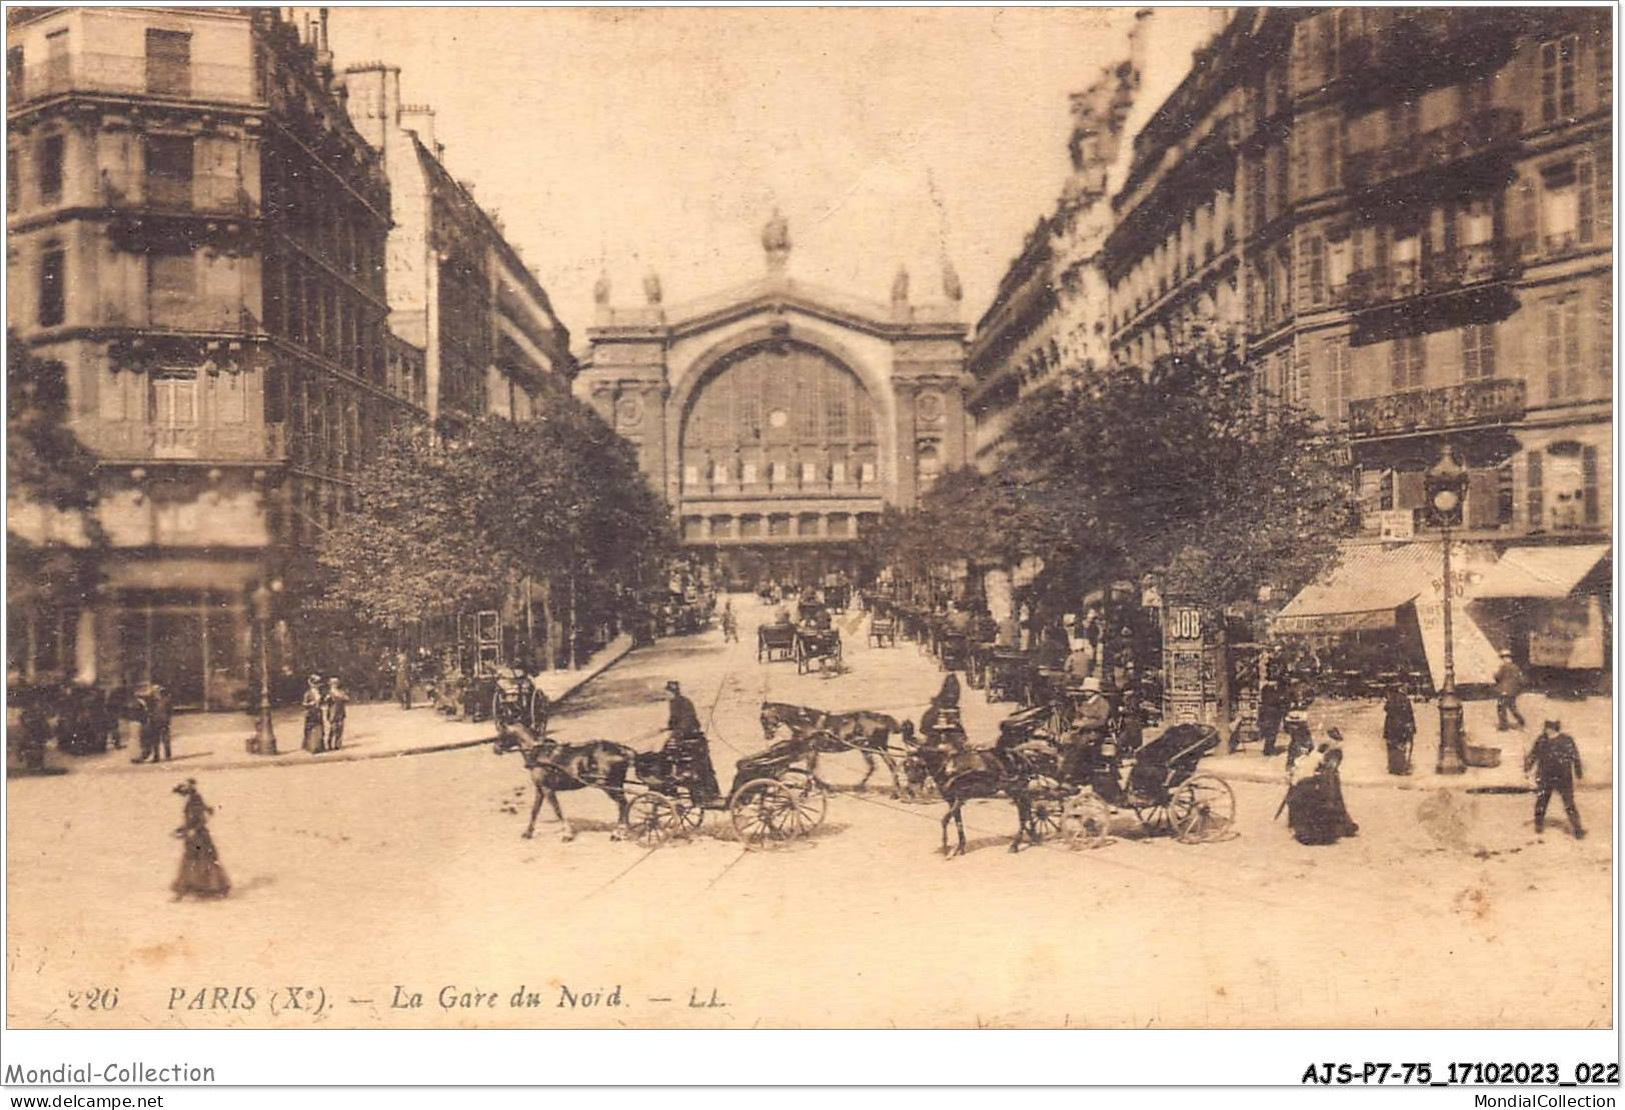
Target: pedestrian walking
{"type": "Point", "coordinates": [334, 707]}
{"type": "Point", "coordinates": [1271, 711]}
{"type": "Point", "coordinates": [1509, 682]}
{"type": "Point", "coordinates": [201, 874]}
{"type": "Point", "coordinates": [1556, 763]}
{"type": "Point", "coordinates": [161, 711]}
{"type": "Point", "coordinates": [403, 681]}
{"type": "Point", "coordinates": [1398, 730]}
{"type": "Point", "coordinates": [314, 724]}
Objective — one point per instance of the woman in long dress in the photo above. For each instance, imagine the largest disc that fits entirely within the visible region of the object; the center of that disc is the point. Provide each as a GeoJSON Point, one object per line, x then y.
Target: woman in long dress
{"type": "Point", "coordinates": [315, 721]}
{"type": "Point", "coordinates": [201, 874]}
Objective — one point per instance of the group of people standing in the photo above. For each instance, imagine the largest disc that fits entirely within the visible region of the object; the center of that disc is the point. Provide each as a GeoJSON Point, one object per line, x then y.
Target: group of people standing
{"type": "Point", "coordinates": [325, 705]}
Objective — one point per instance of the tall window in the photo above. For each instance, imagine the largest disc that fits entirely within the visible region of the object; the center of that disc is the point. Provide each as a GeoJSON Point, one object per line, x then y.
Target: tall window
{"type": "Point", "coordinates": [1605, 336]}
{"type": "Point", "coordinates": [169, 171]}
{"type": "Point", "coordinates": [50, 168]}
{"type": "Point", "coordinates": [1477, 352]}
{"type": "Point", "coordinates": [1409, 360]}
{"type": "Point", "coordinates": [169, 62]}
{"type": "Point", "coordinates": [56, 60]}
{"type": "Point", "coordinates": [1557, 78]}
{"type": "Point", "coordinates": [14, 73]}
{"type": "Point", "coordinates": [1331, 155]}
{"type": "Point", "coordinates": [53, 293]}
{"type": "Point", "coordinates": [1339, 387]}
{"type": "Point", "coordinates": [1316, 249]}
{"type": "Point", "coordinates": [1337, 267]}
{"type": "Point", "coordinates": [1563, 348]}
{"type": "Point", "coordinates": [175, 411]}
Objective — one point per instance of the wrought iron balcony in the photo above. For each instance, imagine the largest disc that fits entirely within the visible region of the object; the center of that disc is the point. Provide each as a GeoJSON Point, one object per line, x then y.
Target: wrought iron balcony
{"type": "Point", "coordinates": [1493, 401]}
{"type": "Point", "coordinates": [1437, 273]}
{"type": "Point", "coordinates": [134, 75]}
{"type": "Point", "coordinates": [1481, 134]}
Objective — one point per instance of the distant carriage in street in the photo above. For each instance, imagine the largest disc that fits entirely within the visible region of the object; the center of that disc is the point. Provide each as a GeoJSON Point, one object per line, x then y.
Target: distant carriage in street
{"type": "Point", "coordinates": [837, 598]}
{"type": "Point", "coordinates": [775, 642]}
{"type": "Point", "coordinates": [817, 646]}
{"type": "Point", "coordinates": [882, 630]}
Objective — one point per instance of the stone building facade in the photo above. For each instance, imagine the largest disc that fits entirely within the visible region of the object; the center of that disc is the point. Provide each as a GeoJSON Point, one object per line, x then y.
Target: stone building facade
{"type": "Point", "coordinates": [197, 236]}
{"type": "Point", "coordinates": [459, 293]}
{"type": "Point", "coordinates": [779, 418]}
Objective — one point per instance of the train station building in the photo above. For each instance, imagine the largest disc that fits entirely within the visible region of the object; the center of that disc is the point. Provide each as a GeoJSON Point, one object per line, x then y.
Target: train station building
{"type": "Point", "coordinates": [780, 417]}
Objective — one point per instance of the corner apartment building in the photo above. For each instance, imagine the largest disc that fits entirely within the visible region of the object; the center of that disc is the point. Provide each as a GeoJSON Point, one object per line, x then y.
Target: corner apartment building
{"type": "Point", "coordinates": [197, 236]}
{"type": "Point", "coordinates": [1403, 216]}
{"type": "Point", "coordinates": [459, 294]}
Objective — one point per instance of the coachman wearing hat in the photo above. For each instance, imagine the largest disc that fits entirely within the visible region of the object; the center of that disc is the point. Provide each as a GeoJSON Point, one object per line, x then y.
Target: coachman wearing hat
{"type": "Point", "coordinates": [688, 748]}
{"type": "Point", "coordinates": [1556, 763]}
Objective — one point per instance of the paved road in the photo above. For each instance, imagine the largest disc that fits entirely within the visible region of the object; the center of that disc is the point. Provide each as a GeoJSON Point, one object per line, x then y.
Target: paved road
{"type": "Point", "coordinates": [367, 878]}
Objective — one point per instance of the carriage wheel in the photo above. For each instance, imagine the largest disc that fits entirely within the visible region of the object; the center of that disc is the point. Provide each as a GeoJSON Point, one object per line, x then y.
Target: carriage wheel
{"type": "Point", "coordinates": [653, 818]}
{"type": "Point", "coordinates": [760, 812]}
{"type": "Point", "coordinates": [1202, 808]}
{"type": "Point", "coordinates": [811, 802]}
{"type": "Point", "coordinates": [1086, 822]}
{"type": "Point", "coordinates": [1154, 817]}
{"type": "Point", "coordinates": [689, 818]}
{"type": "Point", "coordinates": [1047, 817]}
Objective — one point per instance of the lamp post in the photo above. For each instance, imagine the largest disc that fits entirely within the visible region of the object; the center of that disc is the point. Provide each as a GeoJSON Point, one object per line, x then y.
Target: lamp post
{"type": "Point", "coordinates": [1444, 485]}
{"type": "Point", "coordinates": [263, 742]}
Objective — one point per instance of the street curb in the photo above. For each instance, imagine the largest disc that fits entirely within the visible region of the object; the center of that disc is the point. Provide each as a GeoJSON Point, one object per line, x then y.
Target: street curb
{"type": "Point", "coordinates": [358, 757]}
{"type": "Point", "coordinates": [1404, 782]}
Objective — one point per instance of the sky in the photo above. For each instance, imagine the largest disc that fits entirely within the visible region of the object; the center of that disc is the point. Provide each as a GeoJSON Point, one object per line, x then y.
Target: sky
{"type": "Point", "coordinates": [629, 140]}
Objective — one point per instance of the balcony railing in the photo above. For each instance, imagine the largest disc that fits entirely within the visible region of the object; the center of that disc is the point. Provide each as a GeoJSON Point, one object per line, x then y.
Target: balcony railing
{"type": "Point", "coordinates": [1494, 401]}
{"type": "Point", "coordinates": [1439, 272]}
{"type": "Point", "coordinates": [1480, 133]}
{"type": "Point", "coordinates": [179, 312]}
{"type": "Point", "coordinates": [133, 76]}
{"type": "Point", "coordinates": [207, 193]}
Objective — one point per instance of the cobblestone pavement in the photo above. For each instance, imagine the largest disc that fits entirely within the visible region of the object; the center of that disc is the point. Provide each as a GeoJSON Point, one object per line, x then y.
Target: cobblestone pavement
{"type": "Point", "coordinates": [381, 880]}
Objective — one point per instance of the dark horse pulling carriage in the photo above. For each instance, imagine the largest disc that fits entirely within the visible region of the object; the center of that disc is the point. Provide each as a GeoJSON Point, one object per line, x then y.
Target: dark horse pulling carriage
{"type": "Point", "coordinates": [774, 797]}
{"type": "Point", "coordinates": [1070, 789]}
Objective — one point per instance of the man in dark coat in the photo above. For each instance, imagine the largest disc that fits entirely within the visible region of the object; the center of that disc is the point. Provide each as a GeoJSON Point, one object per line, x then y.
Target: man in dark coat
{"type": "Point", "coordinates": [1556, 763]}
{"type": "Point", "coordinates": [1508, 685]}
{"type": "Point", "coordinates": [1399, 730]}
{"type": "Point", "coordinates": [1271, 711]}
{"type": "Point", "coordinates": [688, 747]}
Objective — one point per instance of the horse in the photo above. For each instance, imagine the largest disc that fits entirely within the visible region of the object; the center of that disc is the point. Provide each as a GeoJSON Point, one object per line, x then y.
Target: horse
{"type": "Point", "coordinates": [866, 732]}
{"type": "Point", "coordinates": [556, 767]}
{"type": "Point", "coordinates": [964, 774]}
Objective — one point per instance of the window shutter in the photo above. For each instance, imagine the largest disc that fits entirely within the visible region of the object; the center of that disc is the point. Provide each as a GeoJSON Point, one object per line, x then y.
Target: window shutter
{"type": "Point", "coordinates": [1534, 494]}
{"type": "Point", "coordinates": [1523, 223]}
{"type": "Point", "coordinates": [1571, 346]}
{"type": "Point", "coordinates": [1585, 188]}
{"type": "Point", "coordinates": [1481, 499]}
{"type": "Point", "coordinates": [1554, 351]}
{"type": "Point", "coordinates": [1603, 191]}
{"type": "Point", "coordinates": [1408, 490]}
{"type": "Point", "coordinates": [1588, 471]}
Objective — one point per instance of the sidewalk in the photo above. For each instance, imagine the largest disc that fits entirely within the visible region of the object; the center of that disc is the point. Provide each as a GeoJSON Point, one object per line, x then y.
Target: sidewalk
{"type": "Point", "coordinates": [1365, 755]}
{"type": "Point", "coordinates": [373, 730]}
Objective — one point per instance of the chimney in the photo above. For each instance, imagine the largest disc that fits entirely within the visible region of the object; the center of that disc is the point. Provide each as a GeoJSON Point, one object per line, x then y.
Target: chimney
{"type": "Point", "coordinates": [419, 119]}
{"type": "Point", "coordinates": [375, 102]}
{"type": "Point", "coordinates": [1138, 42]}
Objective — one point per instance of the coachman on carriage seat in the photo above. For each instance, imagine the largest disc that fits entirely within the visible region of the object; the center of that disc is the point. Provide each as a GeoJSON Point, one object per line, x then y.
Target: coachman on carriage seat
{"type": "Point", "coordinates": [688, 745]}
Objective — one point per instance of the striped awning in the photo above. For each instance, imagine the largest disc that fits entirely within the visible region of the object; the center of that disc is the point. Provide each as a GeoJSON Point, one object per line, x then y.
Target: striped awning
{"type": "Point", "coordinates": [1363, 590]}
{"type": "Point", "coordinates": [1544, 572]}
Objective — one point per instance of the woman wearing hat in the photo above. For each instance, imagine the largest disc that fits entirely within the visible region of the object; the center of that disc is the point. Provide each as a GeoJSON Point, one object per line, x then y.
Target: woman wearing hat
{"type": "Point", "coordinates": [315, 726]}
{"type": "Point", "coordinates": [201, 874]}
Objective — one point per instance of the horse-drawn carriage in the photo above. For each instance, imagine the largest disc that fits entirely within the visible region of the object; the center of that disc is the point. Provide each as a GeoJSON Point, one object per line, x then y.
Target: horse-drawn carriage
{"type": "Point", "coordinates": [953, 651]}
{"type": "Point", "coordinates": [1070, 788]}
{"type": "Point", "coordinates": [1007, 675]}
{"type": "Point", "coordinates": [774, 797]}
{"type": "Point", "coordinates": [837, 597]}
{"type": "Point", "coordinates": [775, 642]}
{"type": "Point", "coordinates": [517, 700]}
{"type": "Point", "coordinates": [817, 645]}
{"type": "Point", "coordinates": [882, 629]}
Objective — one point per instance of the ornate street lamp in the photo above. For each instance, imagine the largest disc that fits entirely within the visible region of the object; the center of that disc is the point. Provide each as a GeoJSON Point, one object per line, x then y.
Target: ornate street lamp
{"type": "Point", "coordinates": [263, 742]}
{"type": "Point", "coordinates": [1446, 486]}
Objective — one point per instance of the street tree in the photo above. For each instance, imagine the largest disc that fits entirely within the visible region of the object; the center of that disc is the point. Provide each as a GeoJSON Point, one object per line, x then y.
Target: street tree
{"type": "Point", "coordinates": [52, 534]}
{"type": "Point", "coordinates": [452, 522]}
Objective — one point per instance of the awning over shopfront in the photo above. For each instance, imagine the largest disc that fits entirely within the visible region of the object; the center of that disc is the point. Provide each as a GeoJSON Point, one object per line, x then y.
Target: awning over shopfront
{"type": "Point", "coordinates": [1476, 659]}
{"type": "Point", "coordinates": [1543, 572]}
{"type": "Point", "coordinates": [1363, 591]}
